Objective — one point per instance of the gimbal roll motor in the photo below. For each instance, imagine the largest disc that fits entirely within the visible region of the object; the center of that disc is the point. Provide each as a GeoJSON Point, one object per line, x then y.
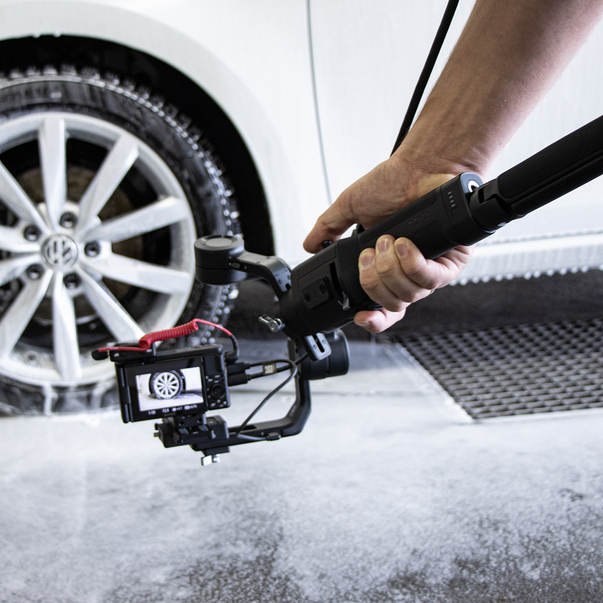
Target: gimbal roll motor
{"type": "Point", "coordinates": [215, 256]}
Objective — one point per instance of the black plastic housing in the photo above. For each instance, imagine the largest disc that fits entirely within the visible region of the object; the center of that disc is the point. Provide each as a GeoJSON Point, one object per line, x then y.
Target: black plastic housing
{"type": "Point", "coordinates": [208, 361]}
{"type": "Point", "coordinates": [554, 171]}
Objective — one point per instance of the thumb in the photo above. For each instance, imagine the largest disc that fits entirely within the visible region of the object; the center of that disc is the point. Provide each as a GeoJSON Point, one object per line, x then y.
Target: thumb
{"type": "Point", "coordinates": [329, 226]}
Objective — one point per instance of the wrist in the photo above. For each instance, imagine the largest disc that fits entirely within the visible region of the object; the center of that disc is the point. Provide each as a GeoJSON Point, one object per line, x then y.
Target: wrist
{"type": "Point", "coordinates": [417, 177]}
{"type": "Point", "coordinates": [429, 157]}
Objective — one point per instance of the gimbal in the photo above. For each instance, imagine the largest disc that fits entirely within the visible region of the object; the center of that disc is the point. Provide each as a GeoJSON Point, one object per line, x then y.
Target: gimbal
{"type": "Point", "coordinates": [323, 293]}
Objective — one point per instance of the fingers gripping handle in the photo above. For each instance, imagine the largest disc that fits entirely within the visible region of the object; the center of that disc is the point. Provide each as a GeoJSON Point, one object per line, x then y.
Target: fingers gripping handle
{"type": "Point", "coordinates": [436, 223]}
{"type": "Point", "coordinates": [325, 290]}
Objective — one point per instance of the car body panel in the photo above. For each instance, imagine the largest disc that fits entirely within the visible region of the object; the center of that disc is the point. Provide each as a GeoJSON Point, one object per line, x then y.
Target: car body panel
{"type": "Point", "coordinates": [259, 60]}
{"type": "Point", "coordinates": [235, 52]}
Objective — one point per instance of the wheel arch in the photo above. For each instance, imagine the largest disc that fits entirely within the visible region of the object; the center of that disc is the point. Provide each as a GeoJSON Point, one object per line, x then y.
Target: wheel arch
{"type": "Point", "coordinates": [163, 79]}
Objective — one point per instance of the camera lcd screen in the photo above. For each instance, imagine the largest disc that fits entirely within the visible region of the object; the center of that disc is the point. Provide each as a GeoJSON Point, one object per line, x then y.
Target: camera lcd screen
{"type": "Point", "coordinates": [165, 388]}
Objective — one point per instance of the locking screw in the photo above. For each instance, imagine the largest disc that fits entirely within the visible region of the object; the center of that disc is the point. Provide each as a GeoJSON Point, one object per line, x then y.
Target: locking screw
{"type": "Point", "coordinates": [71, 281]}
{"type": "Point", "coordinates": [68, 220]}
{"type": "Point", "coordinates": [35, 271]}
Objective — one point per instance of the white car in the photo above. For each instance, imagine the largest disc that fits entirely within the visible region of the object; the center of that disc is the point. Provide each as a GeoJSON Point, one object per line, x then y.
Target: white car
{"type": "Point", "coordinates": [130, 128]}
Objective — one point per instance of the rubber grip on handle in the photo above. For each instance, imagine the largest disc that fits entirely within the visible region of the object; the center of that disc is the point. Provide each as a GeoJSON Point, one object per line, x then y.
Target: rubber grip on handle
{"type": "Point", "coordinates": [556, 170]}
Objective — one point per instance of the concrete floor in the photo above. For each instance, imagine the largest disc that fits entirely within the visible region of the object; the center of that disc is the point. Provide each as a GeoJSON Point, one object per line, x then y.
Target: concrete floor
{"type": "Point", "coordinates": [390, 494]}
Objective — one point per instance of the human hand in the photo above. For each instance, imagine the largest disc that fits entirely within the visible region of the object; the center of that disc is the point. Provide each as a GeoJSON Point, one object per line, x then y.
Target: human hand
{"type": "Point", "coordinates": [387, 188]}
{"type": "Point", "coordinates": [395, 274]}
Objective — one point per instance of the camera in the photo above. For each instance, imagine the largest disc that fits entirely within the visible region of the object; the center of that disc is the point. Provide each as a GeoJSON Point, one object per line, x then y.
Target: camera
{"type": "Point", "coordinates": [179, 387]}
{"type": "Point", "coordinates": [158, 384]}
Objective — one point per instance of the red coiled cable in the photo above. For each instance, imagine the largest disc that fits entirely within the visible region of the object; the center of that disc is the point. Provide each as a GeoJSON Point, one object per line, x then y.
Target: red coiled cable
{"type": "Point", "coordinates": [145, 342]}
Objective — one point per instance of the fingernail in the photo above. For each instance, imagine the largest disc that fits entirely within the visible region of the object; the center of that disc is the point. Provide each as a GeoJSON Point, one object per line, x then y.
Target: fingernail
{"type": "Point", "coordinates": [366, 260]}
{"type": "Point", "coordinates": [363, 324]}
{"type": "Point", "coordinates": [401, 248]}
{"type": "Point", "coordinates": [383, 245]}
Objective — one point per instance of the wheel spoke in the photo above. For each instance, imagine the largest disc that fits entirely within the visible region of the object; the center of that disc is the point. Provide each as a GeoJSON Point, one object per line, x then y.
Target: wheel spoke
{"type": "Point", "coordinates": [13, 241]}
{"type": "Point", "coordinates": [37, 271]}
{"type": "Point", "coordinates": [140, 274]}
{"type": "Point", "coordinates": [17, 201]}
{"type": "Point", "coordinates": [54, 167]}
{"type": "Point", "coordinates": [17, 317]}
{"type": "Point", "coordinates": [115, 166]}
{"type": "Point", "coordinates": [66, 347]}
{"type": "Point", "coordinates": [152, 217]}
{"type": "Point", "coordinates": [111, 312]}
{"type": "Point", "coordinates": [12, 268]}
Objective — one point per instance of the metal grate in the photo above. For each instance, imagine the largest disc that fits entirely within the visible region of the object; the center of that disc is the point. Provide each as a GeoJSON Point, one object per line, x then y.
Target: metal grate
{"type": "Point", "coordinates": [517, 370]}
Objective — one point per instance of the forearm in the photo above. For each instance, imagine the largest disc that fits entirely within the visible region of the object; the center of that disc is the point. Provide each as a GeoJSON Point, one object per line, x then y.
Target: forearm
{"type": "Point", "coordinates": [508, 56]}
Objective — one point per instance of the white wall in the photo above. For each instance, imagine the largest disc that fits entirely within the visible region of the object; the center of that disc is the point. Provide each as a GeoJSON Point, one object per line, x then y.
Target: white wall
{"type": "Point", "coordinates": [368, 56]}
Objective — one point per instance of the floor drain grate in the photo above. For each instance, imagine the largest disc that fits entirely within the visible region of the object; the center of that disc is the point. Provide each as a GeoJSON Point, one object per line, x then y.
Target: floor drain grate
{"type": "Point", "coordinates": [516, 370]}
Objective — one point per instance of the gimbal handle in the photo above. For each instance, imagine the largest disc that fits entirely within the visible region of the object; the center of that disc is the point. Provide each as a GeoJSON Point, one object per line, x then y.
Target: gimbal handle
{"type": "Point", "coordinates": [323, 293]}
{"type": "Point", "coordinates": [325, 290]}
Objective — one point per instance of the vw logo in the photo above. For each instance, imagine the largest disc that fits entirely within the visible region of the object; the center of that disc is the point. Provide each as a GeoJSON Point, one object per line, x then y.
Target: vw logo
{"type": "Point", "coordinates": [60, 251]}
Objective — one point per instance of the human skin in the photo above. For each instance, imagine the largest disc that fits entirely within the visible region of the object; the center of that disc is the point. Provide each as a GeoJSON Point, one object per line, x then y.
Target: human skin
{"type": "Point", "coordinates": [508, 56]}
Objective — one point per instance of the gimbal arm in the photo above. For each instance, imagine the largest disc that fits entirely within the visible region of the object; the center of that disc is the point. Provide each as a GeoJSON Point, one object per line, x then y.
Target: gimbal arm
{"type": "Point", "coordinates": [211, 435]}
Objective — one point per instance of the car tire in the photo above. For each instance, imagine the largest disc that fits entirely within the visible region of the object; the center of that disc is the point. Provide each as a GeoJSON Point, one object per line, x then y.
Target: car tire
{"type": "Point", "coordinates": [104, 188]}
{"type": "Point", "coordinates": [166, 385]}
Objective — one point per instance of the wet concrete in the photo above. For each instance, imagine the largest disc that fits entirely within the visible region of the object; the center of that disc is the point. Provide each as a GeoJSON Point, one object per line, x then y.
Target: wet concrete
{"type": "Point", "coordinates": [390, 494]}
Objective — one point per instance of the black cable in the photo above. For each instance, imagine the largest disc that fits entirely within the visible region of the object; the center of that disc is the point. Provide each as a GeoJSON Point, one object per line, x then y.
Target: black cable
{"type": "Point", "coordinates": [423, 80]}
{"type": "Point", "coordinates": [293, 367]}
{"type": "Point", "coordinates": [234, 355]}
{"type": "Point", "coordinates": [247, 438]}
{"type": "Point", "coordinates": [286, 361]}
{"type": "Point", "coordinates": [301, 359]}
